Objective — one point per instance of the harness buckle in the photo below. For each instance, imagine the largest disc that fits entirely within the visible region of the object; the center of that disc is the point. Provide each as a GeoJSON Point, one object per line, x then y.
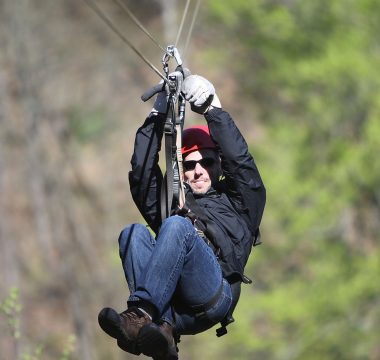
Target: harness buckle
{"type": "Point", "coordinates": [169, 128]}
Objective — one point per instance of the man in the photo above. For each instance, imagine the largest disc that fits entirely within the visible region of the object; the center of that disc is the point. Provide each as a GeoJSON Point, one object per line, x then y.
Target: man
{"type": "Point", "coordinates": [187, 278]}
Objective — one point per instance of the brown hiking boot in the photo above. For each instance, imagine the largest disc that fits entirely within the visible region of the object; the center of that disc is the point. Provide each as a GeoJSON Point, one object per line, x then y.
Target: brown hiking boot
{"type": "Point", "coordinates": [124, 327]}
{"type": "Point", "coordinates": [157, 341]}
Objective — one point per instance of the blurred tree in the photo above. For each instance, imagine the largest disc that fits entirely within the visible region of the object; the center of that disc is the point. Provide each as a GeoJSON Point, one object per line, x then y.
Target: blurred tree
{"type": "Point", "coordinates": [69, 107]}
{"type": "Point", "coordinates": [311, 69]}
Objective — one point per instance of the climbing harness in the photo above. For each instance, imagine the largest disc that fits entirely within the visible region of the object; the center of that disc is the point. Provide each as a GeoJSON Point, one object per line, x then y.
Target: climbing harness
{"type": "Point", "coordinates": [172, 190]}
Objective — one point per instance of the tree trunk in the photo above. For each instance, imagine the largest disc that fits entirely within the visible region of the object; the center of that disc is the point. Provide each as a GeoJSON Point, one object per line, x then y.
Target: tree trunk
{"type": "Point", "coordinates": [169, 20]}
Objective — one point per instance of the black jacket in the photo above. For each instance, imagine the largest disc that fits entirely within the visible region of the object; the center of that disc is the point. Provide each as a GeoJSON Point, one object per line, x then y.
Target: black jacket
{"type": "Point", "coordinates": [234, 206]}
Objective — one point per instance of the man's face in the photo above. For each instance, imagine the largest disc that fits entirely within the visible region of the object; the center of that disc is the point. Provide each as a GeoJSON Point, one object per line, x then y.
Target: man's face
{"type": "Point", "coordinates": [201, 169]}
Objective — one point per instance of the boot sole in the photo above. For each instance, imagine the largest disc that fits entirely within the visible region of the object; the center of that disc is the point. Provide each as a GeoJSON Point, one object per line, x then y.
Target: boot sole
{"type": "Point", "coordinates": [109, 321]}
{"type": "Point", "coordinates": [153, 343]}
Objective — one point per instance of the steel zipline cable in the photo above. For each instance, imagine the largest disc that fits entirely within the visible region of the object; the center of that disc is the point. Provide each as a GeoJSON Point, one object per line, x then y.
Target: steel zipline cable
{"type": "Point", "coordinates": [92, 4]}
{"type": "Point", "coordinates": [137, 22]}
{"type": "Point", "coordinates": [189, 33]}
{"type": "Point", "coordinates": [182, 22]}
{"type": "Point", "coordinates": [110, 24]}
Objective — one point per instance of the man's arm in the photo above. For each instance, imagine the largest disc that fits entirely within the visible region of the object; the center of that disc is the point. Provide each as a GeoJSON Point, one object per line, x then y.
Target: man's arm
{"type": "Point", "coordinates": [145, 178]}
{"type": "Point", "coordinates": [243, 181]}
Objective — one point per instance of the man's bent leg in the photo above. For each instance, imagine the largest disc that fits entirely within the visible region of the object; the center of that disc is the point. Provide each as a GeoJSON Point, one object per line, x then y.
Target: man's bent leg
{"type": "Point", "coordinates": [183, 263]}
{"type": "Point", "coordinates": [136, 244]}
{"type": "Point", "coordinates": [135, 247]}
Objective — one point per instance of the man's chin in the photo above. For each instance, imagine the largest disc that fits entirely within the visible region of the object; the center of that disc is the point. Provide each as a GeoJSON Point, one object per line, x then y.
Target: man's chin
{"type": "Point", "coordinates": [200, 191]}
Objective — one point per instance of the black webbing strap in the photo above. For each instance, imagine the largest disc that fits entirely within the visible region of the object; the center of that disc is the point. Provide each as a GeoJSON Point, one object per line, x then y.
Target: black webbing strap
{"type": "Point", "coordinates": [167, 189]}
{"type": "Point", "coordinates": [228, 319]}
{"type": "Point", "coordinates": [201, 222]}
{"type": "Point", "coordinates": [200, 310]}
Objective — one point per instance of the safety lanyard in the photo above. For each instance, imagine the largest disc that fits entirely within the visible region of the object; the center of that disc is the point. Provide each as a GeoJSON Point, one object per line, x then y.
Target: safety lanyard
{"type": "Point", "coordinates": [172, 189]}
{"type": "Point", "coordinates": [172, 192]}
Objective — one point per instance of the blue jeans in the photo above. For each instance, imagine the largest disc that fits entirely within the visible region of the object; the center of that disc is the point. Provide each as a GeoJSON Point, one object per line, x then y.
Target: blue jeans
{"type": "Point", "coordinates": [174, 272]}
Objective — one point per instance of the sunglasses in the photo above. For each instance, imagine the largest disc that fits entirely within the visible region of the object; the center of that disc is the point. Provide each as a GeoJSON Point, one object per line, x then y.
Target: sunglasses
{"type": "Point", "coordinates": [191, 164]}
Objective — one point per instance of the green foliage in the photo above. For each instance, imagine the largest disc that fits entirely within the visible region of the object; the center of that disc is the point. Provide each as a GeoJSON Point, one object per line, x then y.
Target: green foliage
{"type": "Point", "coordinates": [319, 63]}
{"type": "Point", "coordinates": [311, 68]}
{"type": "Point", "coordinates": [11, 307]}
{"type": "Point", "coordinates": [330, 311]}
{"type": "Point", "coordinates": [35, 355]}
{"type": "Point", "coordinates": [86, 126]}
{"type": "Point", "coordinates": [69, 349]}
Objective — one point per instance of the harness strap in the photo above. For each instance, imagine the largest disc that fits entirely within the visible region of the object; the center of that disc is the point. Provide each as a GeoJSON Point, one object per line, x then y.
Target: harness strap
{"type": "Point", "coordinates": [200, 310]}
{"type": "Point", "coordinates": [228, 319]}
{"type": "Point", "coordinates": [167, 189]}
{"type": "Point", "coordinates": [172, 190]}
{"type": "Point", "coordinates": [200, 221]}
{"type": "Point", "coordinates": [235, 286]}
{"type": "Point", "coordinates": [179, 125]}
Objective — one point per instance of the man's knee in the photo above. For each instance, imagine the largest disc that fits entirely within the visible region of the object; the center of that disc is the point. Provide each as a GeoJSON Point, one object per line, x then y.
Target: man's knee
{"type": "Point", "coordinates": [178, 223]}
{"type": "Point", "coordinates": [180, 229]}
{"type": "Point", "coordinates": [129, 236]}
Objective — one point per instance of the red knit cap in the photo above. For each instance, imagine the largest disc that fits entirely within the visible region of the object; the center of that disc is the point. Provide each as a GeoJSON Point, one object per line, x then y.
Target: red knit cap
{"type": "Point", "coordinates": [196, 138]}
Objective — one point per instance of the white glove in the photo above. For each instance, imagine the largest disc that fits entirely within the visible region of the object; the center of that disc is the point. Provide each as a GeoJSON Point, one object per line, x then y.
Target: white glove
{"type": "Point", "coordinates": [200, 93]}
